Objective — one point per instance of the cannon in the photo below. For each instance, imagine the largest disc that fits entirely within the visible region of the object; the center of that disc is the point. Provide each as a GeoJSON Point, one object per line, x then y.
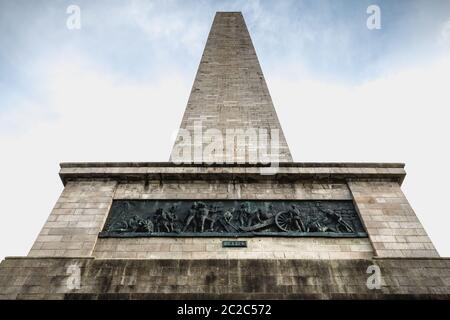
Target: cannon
{"type": "Point", "coordinates": [283, 220]}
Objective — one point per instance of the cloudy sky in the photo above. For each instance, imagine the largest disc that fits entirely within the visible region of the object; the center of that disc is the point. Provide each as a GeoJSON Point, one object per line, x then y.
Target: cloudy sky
{"type": "Point", "coordinates": [116, 89]}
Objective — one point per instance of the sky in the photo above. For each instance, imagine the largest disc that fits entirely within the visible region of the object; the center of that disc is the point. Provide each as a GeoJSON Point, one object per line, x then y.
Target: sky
{"type": "Point", "coordinates": [116, 89]}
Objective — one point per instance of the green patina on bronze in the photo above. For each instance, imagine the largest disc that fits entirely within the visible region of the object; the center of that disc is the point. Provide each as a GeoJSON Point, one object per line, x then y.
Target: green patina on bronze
{"type": "Point", "coordinates": [233, 218]}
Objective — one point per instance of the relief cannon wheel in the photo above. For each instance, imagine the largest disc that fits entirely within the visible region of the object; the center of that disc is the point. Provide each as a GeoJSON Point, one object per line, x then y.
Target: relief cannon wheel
{"type": "Point", "coordinates": [285, 222]}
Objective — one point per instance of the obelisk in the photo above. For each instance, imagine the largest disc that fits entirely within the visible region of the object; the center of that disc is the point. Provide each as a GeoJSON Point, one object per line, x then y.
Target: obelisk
{"type": "Point", "coordinates": [230, 92]}
{"type": "Point", "coordinates": [199, 228]}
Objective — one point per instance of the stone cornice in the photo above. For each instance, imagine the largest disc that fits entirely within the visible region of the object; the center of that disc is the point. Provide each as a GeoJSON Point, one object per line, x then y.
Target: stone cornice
{"type": "Point", "coordinates": [289, 171]}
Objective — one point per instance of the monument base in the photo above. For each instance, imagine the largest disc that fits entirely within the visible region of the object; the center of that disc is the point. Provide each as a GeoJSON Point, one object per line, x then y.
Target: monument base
{"type": "Point", "coordinates": [74, 258]}
{"type": "Point", "coordinates": [51, 278]}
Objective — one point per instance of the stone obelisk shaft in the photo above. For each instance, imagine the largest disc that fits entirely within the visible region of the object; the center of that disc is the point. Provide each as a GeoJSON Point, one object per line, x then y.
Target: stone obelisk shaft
{"type": "Point", "coordinates": [229, 90]}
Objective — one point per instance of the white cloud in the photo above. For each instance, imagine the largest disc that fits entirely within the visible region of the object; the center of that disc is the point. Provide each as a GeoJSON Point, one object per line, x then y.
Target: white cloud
{"type": "Point", "coordinates": [87, 114]}
{"type": "Point", "coordinates": [444, 35]}
{"type": "Point", "coordinates": [95, 116]}
{"type": "Point", "coordinates": [402, 117]}
{"type": "Point", "coordinates": [99, 117]}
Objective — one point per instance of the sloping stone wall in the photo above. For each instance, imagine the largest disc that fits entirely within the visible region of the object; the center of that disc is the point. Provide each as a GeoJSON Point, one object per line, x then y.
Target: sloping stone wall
{"type": "Point", "coordinates": [392, 225]}
{"type": "Point", "coordinates": [72, 228]}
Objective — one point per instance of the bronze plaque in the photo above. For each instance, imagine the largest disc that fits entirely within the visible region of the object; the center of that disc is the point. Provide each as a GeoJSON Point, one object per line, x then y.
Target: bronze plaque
{"type": "Point", "coordinates": [233, 218]}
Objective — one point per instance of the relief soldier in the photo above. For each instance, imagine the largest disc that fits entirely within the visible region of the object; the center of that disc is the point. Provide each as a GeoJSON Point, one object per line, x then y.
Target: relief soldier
{"type": "Point", "coordinates": [206, 214]}
{"type": "Point", "coordinates": [338, 224]}
{"type": "Point", "coordinates": [228, 215]}
{"type": "Point", "coordinates": [166, 219]}
{"type": "Point", "coordinates": [297, 218]}
{"type": "Point", "coordinates": [245, 214]}
{"type": "Point", "coordinates": [191, 217]}
{"type": "Point", "coordinates": [208, 217]}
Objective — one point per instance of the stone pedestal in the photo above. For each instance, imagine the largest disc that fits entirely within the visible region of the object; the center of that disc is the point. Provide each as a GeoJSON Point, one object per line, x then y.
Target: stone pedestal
{"type": "Point", "coordinates": [199, 267]}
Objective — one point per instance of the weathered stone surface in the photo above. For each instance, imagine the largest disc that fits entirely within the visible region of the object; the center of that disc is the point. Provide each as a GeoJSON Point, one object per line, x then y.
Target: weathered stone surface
{"type": "Point", "coordinates": [288, 171]}
{"type": "Point", "coordinates": [211, 248]}
{"type": "Point", "coordinates": [33, 278]}
{"type": "Point", "coordinates": [392, 226]}
{"type": "Point", "coordinates": [391, 223]}
{"type": "Point", "coordinates": [230, 91]}
{"type": "Point", "coordinates": [72, 228]}
{"type": "Point", "coordinates": [232, 189]}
